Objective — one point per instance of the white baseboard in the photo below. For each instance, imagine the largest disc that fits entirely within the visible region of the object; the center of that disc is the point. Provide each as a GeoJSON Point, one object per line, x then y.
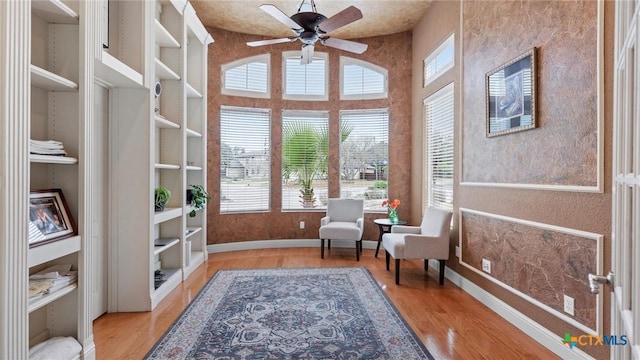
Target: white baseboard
{"type": "Point", "coordinates": [537, 332]}
{"type": "Point", "coordinates": [292, 243]}
{"type": "Point", "coordinates": [534, 330]}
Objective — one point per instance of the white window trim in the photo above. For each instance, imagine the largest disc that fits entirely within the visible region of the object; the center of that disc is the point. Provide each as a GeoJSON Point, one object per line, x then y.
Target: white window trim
{"type": "Point", "coordinates": [450, 41]}
{"type": "Point", "coordinates": [345, 60]}
{"type": "Point", "coordinates": [247, 93]}
{"type": "Point", "coordinates": [317, 54]}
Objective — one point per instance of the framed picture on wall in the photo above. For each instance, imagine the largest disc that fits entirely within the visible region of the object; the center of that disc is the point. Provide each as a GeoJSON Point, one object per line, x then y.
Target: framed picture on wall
{"type": "Point", "coordinates": [49, 217]}
{"type": "Point", "coordinates": [511, 94]}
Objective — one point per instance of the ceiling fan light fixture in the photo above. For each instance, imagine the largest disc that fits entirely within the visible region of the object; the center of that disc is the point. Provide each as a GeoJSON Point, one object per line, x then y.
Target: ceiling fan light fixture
{"type": "Point", "coordinates": [310, 26]}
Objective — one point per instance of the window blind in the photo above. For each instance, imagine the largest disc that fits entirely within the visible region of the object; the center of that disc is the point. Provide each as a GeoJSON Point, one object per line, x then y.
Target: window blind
{"type": "Point", "coordinates": [364, 156]}
{"type": "Point", "coordinates": [439, 61]}
{"type": "Point", "coordinates": [250, 74]}
{"type": "Point", "coordinates": [360, 80]}
{"type": "Point", "coordinates": [245, 163]}
{"type": "Point", "coordinates": [439, 120]}
{"type": "Point", "coordinates": [305, 80]}
{"type": "Point", "coordinates": [305, 153]}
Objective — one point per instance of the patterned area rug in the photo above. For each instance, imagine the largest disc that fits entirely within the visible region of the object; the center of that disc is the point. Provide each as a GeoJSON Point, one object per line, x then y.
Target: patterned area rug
{"type": "Point", "coordinates": [323, 313]}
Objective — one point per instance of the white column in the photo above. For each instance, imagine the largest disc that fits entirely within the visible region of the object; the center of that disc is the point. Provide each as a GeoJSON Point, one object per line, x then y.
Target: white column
{"type": "Point", "coordinates": [15, 91]}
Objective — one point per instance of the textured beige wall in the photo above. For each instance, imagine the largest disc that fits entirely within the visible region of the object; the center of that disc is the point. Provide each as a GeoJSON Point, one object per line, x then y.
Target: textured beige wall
{"type": "Point", "coordinates": [392, 52]}
{"type": "Point", "coordinates": [507, 37]}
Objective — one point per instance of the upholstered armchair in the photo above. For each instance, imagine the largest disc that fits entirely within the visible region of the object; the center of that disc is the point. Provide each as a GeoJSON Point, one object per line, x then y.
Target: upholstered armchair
{"type": "Point", "coordinates": [344, 221]}
{"type": "Point", "coordinates": [430, 240]}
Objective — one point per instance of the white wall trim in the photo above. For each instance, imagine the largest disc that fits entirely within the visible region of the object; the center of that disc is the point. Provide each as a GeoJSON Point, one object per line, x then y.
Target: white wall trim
{"type": "Point", "coordinates": [588, 235]}
{"type": "Point", "coordinates": [599, 176]}
{"type": "Point", "coordinates": [573, 188]}
{"type": "Point", "coordinates": [534, 330]}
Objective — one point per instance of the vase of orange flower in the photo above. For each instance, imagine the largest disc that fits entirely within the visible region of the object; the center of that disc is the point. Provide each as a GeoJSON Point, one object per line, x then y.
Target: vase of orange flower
{"type": "Point", "coordinates": [392, 208]}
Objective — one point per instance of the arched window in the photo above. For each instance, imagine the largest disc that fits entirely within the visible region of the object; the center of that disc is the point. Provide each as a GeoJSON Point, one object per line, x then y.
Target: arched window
{"type": "Point", "coordinates": [362, 80]}
{"type": "Point", "coordinates": [247, 77]}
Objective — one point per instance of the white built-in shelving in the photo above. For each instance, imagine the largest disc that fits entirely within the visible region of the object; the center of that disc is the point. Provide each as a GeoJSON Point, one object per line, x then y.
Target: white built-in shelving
{"type": "Point", "coordinates": [58, 108]}
{"type": "Point", "coordinates": [164, 153]}
{"type": "Point", "coordinates": [84, 73]}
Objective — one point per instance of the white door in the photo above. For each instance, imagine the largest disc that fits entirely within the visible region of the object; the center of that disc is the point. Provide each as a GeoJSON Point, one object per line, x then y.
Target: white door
{"type": "Point", "coordinates": [625, 251]}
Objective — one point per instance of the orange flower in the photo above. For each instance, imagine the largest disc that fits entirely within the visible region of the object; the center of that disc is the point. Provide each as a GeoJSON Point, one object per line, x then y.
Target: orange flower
{"type": "Point", "coordinates": [391, 204]}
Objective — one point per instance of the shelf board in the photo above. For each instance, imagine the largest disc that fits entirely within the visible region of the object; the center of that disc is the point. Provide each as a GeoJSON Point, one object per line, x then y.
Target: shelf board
{"type": "Point", "coordinates": [116, 73]}
{"type": "Point", "coordinates": [173, 278]}
{"type": "Point", "coordinates": [196, 259]}
{"type": "Point", "coordinates": [164, 37]}
{"type": "Point", "coordinates": [192, 231]}
{"type": "Point", "coordinates": [167, 214]}
{"type": "Point", "coordinates": [53, 250]}
{"type": "Point", "coordinates": [167, 166]}
{"type": "Point", "coordinates": [164, 72]}
{"type": "Point", "coordinates": [194, 168]}
{"type": "Point", "coordinates": [47, 80]}
{"type": "Point", "coordinates": [54, 11]}
{"type": "Point", "coordinates": [49, 298]}
{"type": "Point", "coordinates": [158, 249]}
{"type": "Point", "coordinates": [193, 133]}
{"type": "Point", "coordinates": [162, 122]}
{"type": "Point", "coordinates": [192, 92]}
{"type": "Point", "coordinates": [50, 159]}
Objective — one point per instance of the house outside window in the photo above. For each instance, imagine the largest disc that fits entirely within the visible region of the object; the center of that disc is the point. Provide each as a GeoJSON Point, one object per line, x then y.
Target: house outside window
{"type": "Point", "coordinates": [245, 164]}
{"type": "Point", "coordinates": [364, 156]}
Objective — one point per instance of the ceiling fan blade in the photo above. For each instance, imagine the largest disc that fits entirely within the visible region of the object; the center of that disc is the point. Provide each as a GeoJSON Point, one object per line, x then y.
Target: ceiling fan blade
{"type": "Point", "coordinates": [280, 16]}
{"type": "Point", "coordinates": [347, 45]}
{"type": "Point", "coordinates": [344, 17]}
{"type": "Point", "coordinates": [271, 41]}
{"type": "Point", "coordinates": [307, 54]}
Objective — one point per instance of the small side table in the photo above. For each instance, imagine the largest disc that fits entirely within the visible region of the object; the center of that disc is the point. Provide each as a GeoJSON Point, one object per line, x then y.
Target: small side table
{"type": "Point", "coordinates": [384, 225]}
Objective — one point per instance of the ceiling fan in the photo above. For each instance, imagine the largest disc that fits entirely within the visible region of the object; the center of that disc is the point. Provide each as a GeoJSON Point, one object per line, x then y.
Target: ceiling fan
{"type": "Point", "coordinates": [310, 26]}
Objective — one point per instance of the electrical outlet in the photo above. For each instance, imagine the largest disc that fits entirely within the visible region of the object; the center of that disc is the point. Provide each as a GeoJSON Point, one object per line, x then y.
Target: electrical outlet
{"type": "Point", "coordinates": [457, 251]}
{"type": "Point", "coordinates": [301, 224]}
{"type": "Point", "coordinates": [568, 305]}
{"type": "Point", "coordinates": [486, 266]}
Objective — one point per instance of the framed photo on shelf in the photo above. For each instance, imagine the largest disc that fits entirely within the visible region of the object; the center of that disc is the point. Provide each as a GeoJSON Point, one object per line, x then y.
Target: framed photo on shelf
{"type": "Point", "coordinates": [49, 217]}
{"type": "Point", "coordinates": [511, 95]}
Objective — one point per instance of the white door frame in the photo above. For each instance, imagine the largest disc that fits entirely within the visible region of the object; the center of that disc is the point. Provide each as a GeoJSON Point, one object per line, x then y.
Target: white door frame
{"type": "Point", "coordinates": [625, 249]}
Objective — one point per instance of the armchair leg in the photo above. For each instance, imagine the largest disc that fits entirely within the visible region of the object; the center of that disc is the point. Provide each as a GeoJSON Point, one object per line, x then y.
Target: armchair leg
{"type": "Point", "coordinates": [442, 272]}
{"type": "Point", "coordinates": [397, 271]}
{"type": "Point", "coordinates": [426, 264]}
{"type": "Point", "coordinates": [329, 244]}
{"type": "Point", "coordinates": [357, 251]}
{"type": "Point", "coordinates": [387, 258]}
{"type": "Point", "coordinates": [321, 248]}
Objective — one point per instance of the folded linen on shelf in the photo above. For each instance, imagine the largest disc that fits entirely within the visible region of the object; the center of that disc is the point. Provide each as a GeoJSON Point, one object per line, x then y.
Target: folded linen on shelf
{"type": "Point", "coordinates": [46, 147]}
{"type": "Point", "coordinates": [56, 348]}
{"type": "Point", "coordinates": [52, 272]}
{"type": "Point", "coordinates": [51, 279]}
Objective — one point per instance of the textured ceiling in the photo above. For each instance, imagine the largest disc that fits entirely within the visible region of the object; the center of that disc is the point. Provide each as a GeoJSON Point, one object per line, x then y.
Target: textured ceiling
{"type": "Point", "coordinates": [380, 17]}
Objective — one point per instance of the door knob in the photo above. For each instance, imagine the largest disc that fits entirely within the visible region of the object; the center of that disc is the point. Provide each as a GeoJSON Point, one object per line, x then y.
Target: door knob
{"type": "Point", "coordinates": [596, 280]}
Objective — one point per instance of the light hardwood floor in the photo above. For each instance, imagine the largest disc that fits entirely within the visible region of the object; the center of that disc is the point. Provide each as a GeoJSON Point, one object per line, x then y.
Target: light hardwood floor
{"type": "Point", "coordinates": [451, 323]}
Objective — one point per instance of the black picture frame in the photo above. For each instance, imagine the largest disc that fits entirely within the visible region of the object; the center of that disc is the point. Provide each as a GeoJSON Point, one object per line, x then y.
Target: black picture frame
{"type": "Point", "coordinates": [49, 217]}
{"type": "Point", "coordinates": [511, 96]}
